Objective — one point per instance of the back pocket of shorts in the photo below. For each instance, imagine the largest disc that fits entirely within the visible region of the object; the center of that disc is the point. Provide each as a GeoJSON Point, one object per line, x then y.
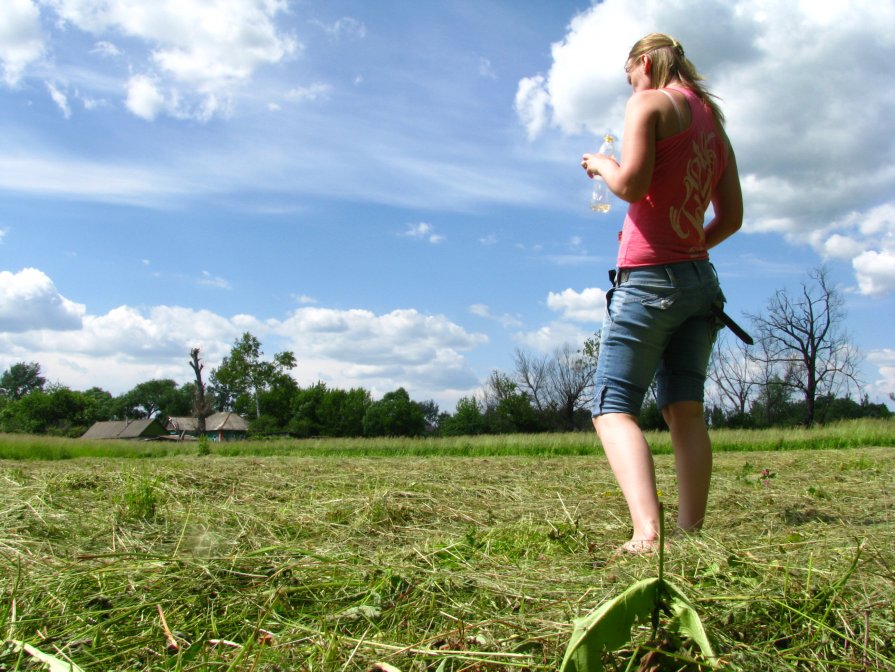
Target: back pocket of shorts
{"type": "Point", "coordinates": [661, 302]}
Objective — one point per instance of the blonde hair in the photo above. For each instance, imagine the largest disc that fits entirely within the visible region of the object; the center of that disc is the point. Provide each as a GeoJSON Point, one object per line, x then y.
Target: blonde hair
{"type": "Point", "coordinates": [669, 62]}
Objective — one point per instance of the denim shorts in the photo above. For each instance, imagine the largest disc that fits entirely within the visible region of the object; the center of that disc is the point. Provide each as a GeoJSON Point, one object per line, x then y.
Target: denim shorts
{"type": "Point", "coordinates": [658, 322]}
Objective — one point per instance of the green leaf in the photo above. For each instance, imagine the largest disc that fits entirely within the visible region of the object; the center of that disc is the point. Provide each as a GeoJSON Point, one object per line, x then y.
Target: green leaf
{"type": "Point", "coordinates": [609, 627]}
{"type": "Point", "coordinates": [687, 622]}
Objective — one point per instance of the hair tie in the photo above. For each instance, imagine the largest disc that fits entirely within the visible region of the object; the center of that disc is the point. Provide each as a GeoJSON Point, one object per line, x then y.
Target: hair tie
{"type": "Point", "coordinates": [677, 46]}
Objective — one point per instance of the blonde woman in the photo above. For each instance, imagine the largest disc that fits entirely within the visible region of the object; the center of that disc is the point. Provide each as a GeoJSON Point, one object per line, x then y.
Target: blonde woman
{"type": "Point", "coordinates": [676, 159]}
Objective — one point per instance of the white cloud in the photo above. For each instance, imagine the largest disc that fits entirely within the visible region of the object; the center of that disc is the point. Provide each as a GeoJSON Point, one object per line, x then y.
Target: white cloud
{"type": "Point", "coordinates": [210, 280]}
{"type": "Point", "coordinates": [346, 28]}
{"type": "Point", "coordinates": [486, 69]}
{"type": "Point", "coordinates": [92, 103]}
{"type": "Point", "coordinates": [884, 360]}
{"type": "Point", "coordinates": [532, 102]}
{"type": "Point", "coordinates": [21, 40]}
{"type": "Point", "coordinates": [200, 50]}
{"type": "Point", "coordinates": [868, 241]}
{"type": "Point", "coordinates": [838, 246]}
{"type": "Point", "coordinates": [350, 348]}
{"type": "Point", "coordinates": [29, 300]}
{"type": "Point", "coordinates": [60, 99]}
{"type": "Point", "coordinates": [423, 231]}
{"type": "Point", "coordinates": [102, 181]}
{"type": "Point", "coordinates": [125, 346]}
{"type": "Point", "coordinates": [144, 98]}
{"type": "Point", "coordinates": [585, 306]}
{"type": "Point", "coordinates": [810, 122]}
{"type": "Point", "coordinates": [875, 272]}
{"type": "Point", "coordinates": [506, 320]}
{"type": "Point", "coordinates": [316, 91]}
{"type": "Point", "coordinates": [554, 335]}
{"type": "Point", "coordinates": [105, 49]}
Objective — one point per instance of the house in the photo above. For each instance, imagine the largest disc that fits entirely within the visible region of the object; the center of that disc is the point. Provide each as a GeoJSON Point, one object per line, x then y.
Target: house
{"type": "Point", "coordinates": [224, 426]}
{"type": "Point", "coordinates": [144, 428]}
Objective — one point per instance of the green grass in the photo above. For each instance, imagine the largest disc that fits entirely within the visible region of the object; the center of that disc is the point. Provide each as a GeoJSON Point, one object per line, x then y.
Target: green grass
{"type": "Point", "coordinates": [851, 434]}
{"type": "Point", "coordinates": [431, 563]}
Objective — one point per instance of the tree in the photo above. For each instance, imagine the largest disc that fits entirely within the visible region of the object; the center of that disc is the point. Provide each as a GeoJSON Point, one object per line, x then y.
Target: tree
{"type": "Point", "coordinates": [21, 379]}
{"type": "Point", "coordinates": [467, 420]}
{"type": "Point", "coordinates": [201, 407]}
{"type": "Point", "coordinates": [731, 372]}
{"type": "Point", "coordinates": [498, 387]}
{"type": "Point", "coordinates": [430, 414]}
{"type": "Point", "coordinates": [573, 378]}
{"type": "Point", "coordinates": [342, 412]}
{"type": "Point", "coordinates": [57, 411]}
{"type": "Point", "coordinates": [156, 398]}
{"type": "Point", "coordinates": [100, 405]}
{"type": "Point", "coordinates": [244, 374]}
{"type": "Point", "coordinates": [394, 415]}
{"type": "Point", "coordinates": [307, 404]}
{"type": "Point", "coordinates": [515, 413]}
{"type": "Point", "coordinates": [560, 385]}
{"type": "Point", "coordinates": [320, 411]}
{"type": "Point", "coordinates": [508, 409]}
{"type": "Point", "coordinates": [773, 403]}
{"type": "Point", "coordinates": [533, 376]}
{"type": "Point", "coordinates": [804, 334]}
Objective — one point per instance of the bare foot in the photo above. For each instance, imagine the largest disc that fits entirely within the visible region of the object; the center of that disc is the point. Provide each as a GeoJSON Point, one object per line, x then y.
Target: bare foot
{"type": "Point", "coordinates": [640, 546]}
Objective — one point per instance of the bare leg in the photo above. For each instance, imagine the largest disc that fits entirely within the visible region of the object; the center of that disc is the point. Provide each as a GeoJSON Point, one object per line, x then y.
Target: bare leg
{"type": "Point", "coordinates": [693, 461]}
{"type": "Point", "coordinates": [632, 463]}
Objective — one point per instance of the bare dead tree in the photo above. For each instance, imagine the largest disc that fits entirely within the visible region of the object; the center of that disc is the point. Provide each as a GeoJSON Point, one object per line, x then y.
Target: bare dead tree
{"type": "Point", "coordinates": [731, 371]}
{"type": "Point", "coordinates": [804, 335]}
{"type": "Point", "coordinates": [560, 383]}
{"type": "Point", "coordinates": [201, 407]}
{"type": "Point", "coordinates": [532, 375]}
{"type": "Point", "coordinates": [573, 376]}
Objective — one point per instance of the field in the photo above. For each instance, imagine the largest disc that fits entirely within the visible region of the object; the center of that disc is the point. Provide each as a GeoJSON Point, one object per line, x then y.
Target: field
{"type": "Point", "coordinates": [355, 559]}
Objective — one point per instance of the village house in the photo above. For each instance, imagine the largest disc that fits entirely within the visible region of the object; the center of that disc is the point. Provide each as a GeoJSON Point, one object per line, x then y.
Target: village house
{"type": "Point", "coordinates": [142, 428]}
{"type": "Point", "coordinates": [224, 426]}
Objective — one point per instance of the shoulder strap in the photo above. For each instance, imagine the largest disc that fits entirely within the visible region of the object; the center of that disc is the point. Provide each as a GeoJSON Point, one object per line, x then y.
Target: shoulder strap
{"type": "Point", "coordinates": [677, 110]}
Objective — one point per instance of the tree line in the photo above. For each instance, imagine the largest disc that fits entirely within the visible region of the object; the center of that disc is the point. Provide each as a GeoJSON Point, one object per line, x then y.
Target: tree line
{"type": "Point", "coordinates": [803, 369]}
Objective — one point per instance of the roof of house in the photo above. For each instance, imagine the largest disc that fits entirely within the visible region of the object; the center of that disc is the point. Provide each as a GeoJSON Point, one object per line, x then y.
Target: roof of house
{"type": "Point", "coordinates": [124, 429]}
{"type": "Point", "coordinates": [224, 421]}
{"type": "Point", "coordinates": [187, 424]}
{"type": "Point", "coordinates": [228, 422]}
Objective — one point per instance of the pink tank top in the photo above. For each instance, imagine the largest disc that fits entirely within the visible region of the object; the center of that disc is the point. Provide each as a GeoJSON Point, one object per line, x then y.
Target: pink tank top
{"type": "Point", "coordinates": [666, 226]}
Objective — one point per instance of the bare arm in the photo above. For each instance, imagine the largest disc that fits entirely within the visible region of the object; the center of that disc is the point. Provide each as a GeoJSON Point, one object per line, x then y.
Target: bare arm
{"type": "Point", "coordinates": [631, 179]}
{"type": "Point", "coordinates": [727, 202]}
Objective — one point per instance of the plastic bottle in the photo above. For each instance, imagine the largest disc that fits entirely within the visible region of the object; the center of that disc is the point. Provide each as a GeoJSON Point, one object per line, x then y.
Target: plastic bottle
{"type": "Point", "coordinates": [600, 200]}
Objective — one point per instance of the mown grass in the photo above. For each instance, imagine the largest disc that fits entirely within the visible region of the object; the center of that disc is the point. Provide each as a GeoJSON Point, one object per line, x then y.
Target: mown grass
{"type": "Point", "coordinates": [849, 434]}
{"type": "Point", "coordinates": [442, 563]}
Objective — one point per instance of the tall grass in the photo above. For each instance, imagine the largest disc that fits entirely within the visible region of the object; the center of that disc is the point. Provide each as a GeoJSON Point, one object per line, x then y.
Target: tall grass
{"type": "Point", "coordinates": [848, 434]}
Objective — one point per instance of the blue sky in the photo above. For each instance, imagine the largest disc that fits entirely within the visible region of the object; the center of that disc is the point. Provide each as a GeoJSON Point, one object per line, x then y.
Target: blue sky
{"type": "Point", "coordinates": [392, 190]}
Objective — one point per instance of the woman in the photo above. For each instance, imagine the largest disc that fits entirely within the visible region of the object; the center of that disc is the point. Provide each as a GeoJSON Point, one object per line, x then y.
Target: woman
{"type": "Point", "coordinates": [675, 160]}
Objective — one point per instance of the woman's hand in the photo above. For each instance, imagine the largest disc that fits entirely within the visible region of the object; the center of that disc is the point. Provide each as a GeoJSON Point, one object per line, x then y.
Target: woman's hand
{"type": "Point", "coordinates": [594, 164]}
{"type": "Point", "coordinates": [586, 165]}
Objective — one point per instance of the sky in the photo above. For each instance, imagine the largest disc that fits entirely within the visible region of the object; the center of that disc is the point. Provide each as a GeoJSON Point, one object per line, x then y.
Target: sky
{"type": "Point", "coordinates": [392, 190]}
